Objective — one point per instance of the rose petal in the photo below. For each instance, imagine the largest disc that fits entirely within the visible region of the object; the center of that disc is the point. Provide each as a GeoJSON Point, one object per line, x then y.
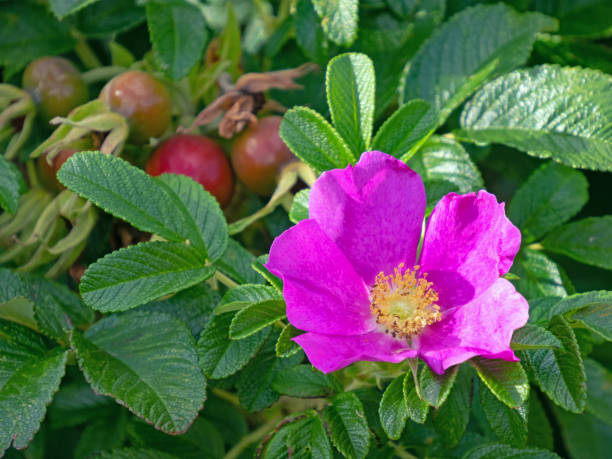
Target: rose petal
{"type": "Point", "coordinates": [482, 327]}
{"type": "Point", "coordinates": [469, 242]}
{"type": "Point", "coordinates": [330, 353]}
{"type": "Point", "coordinates": [323, 292]}
{"type": "Point", "coordinates": [373, 211]}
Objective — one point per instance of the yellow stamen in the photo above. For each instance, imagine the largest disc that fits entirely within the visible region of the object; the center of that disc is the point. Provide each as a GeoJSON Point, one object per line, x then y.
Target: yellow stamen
{"type": "Point", "coordinates": [403, 303]}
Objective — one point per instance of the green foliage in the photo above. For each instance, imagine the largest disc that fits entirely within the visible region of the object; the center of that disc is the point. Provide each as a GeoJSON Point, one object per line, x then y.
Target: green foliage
{"type": "Point", "coordinates": [539, 122]}
{"type": "Point", "coordinates": [339, 19]}
{"type": "Point", "coordinates": [9, 186]}
{"type": "Point", "coordinates": [299, 207]}
{"type": "Point", "coordinates": [304, 381]}
{"type": "Point", "coordinates": [347, 426]}
{"type": "Point", "coordinates": [451, 419]}
{"type": "Point", "coordinates": [62, 8]}
{"type": "Point", "coordinates": [393, 410]}
{"type": "Point", "coordinates": [509, 425]}
{"type": "Point", "coordinates": [506, 380]}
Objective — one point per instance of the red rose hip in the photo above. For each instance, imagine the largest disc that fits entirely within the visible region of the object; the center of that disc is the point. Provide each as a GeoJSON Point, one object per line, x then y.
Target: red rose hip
{"type": "Point", "coordinates": [198, 157]}
{"type": "Point", "coordinates": [258, 154]}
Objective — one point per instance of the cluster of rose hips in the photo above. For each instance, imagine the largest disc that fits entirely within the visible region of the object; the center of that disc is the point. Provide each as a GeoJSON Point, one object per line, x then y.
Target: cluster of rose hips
{"type": "Point", "coordinates": [257, 154]}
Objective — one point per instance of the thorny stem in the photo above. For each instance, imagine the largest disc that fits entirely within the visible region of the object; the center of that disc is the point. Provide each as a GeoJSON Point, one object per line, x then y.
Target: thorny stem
{"type": "Point", "coordinates": [253, 437]}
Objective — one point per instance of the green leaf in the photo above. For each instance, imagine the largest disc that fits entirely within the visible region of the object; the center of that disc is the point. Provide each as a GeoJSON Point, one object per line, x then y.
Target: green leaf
{"type": "Point", "coordinates": [253, 318]}
{"type": "Point", "coordinates": [299, 207]}
{"type": "Point", "coordinates": [498, 451]}
{"type": "Point", "coordinates": [141, 273]}
{"type": "Point", "coordinates": [534, 337]}
{"type": "Point", "coordinates": [258, 265]}
{"type": "Point", "coordinates": [445, 166]}
{"type": "Point", "coordinates": [29, 376]}
{"type": "Point", "coordinates": [339, 19]}
{"type": "Point", "coordinates": [309, 33]}
{"type": "Point", "coordinates": [178, 33]}
{"type": "Point", "coordinates": [221, 357]}
{"type": "Point", "coordinates": [313, 140]}
{"type": "Point", "coordinates": [102, 434]}
{"type": "Point", "coordinates": [347, 425]}
{"type": "Point", "coordinates": [584, 436]}
{"type": "Point", "coordinates": [590, 18]}
{"type": "Point", "coordinates": [507, 380]}
{"type": "Point", "coordinates": [226, 417]}
{"type": "Point", "coordinates": [29, 32]}
{"type": "Point", "coordinates": [118, 187]}
{"type": "Point", "coordinates": [540, 432]}
{"type": "Point", "coordinates": [255, 390]}
{"type": "Point", "coordinates": [537, 275]}
{"type": "Point", "coordinates": [406, 130]}
{"type": "Point", "coordinates": [599, 391]}
{"type": "Point", "coordinates": [305, 381]}
{"type": "Point", "coordinates": [76, 403]}
{"type": "Point", "coordinates": [244, 295]}
{"type": "Point", "coordinates": [560, 373]}
{"type": "Point", "coordinates": [285, 346]}
{"type": "Point", "coordinates": [597, 319]}
{"type": "Point", "coordinates": [588, 241]}
{"type": "Point", "coordinates": [237, 262]}
{"type": "Point", "coordinates": [417, 407]}
{"type": "Point", "coordinates": [106, 17]}
{"type": "Point", "coordinates": [455, 60]}
{"type": "Point", "coordinates": [135, 358]}
{"type": "Point", "coordinates": [580, 301]}
{"type": "Point", "coordinates": [450, 420]}
{"type": "Point", "coordinates": [434, 387]}
{"type": "Point", "coordinates": [350, 83]}
{"type": "Point", "coordinates": [205, 224]}
{"type": "Point", "coordinates": [133, 453]}
{"type": "Point", "coordinates": [9, 186]}
{"type": "Point", "coordinates": [62, 8]}
{"type": "Point", "coordinates": [528, 110]}
{"type": "Point", "coordinates": [509, 425]}
{"type": "Point", "coordinates": [301, 435]}
{"type": "Point", "coordinates": [392, 409]}
{"type": "Point", "coordinates": [550, 196]}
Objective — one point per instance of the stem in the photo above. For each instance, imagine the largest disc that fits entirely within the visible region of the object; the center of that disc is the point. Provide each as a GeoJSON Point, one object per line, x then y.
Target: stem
{"type": "Point", "coordinates": [227, 396]}
{"type": "Point", "coordinates": [102, 73]}
{"type": "Point", "coordinates": [32, 176]}
{"type": "Point", "coordinates": [401, 452]}
{"type": "Point", "coordinates": [414, 363]}
{"type": "Point", "coordinates": [84, 51]}
{"type": "Point", "coordinates": [225, 280]}
{"type": "Point", "coordinates": [254, 436]}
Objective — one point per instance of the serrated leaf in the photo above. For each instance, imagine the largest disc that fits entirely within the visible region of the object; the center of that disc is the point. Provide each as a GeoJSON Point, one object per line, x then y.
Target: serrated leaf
{"type": "Point", "coordinates": [550, 196]}
{"type": "Point", "coordinates": [302, 436]}
{"type": "Point", "coordinates": [141, 273]}
{"type": "Point", "coordinates": [416, 406]}
{"type": "Point", "coordinates": [596, 318]}
{"type": "Point", "coordinates": [29, 32]}
{"type": "Point", "coordinates": [255, 390]}
{"type": "Point", "coordinates": [404, 131]}
{"type": "Point", "coordinates": [309, 33]}
{"type": "Point", "coordinates": [455, 60]}
{"type": "Point", "coordinates": [451, 418]}
{"type": "Point", "coordinates": [256, 316]}
{"type": "Point", "coordinates": [178, 33]}
{"type": "Point", "coordinates": [599, 390]}
{"type": "Point", "coordinates": [339, 19]}
{"type": "Point", "coordinates": [62, 8]}
{"type": "Point", "coordinates": [537, 275]}
{"type": "Point", "coordinates": [347, 425]}
{"type": "Point", "coordinates": [578, 301]}
{"type": "Point", "coordinates": [118, 187]}
{"type": "Point", "coordinates": [237, 262]}
{"type": "Point", "coordinates": [588, 241]}
{"type": "Point", "coordinates": [547, 111]}
{"type": "Point", "coordinates": [244, 295]}
{"type": "Point", "coordinates": [434, 387]}
{"type": "Point", "coordinates": [560, 373]}
{"type": "Point", "coordinates": [392, 409]}
{"type": "Point", "coordinates": [29, 376]}
{"type": "Point", "coordinates": [221, 357]}
{"type": "Point", "coordinates": [350, 83]}
{"type": "Point", "coordinates": [299, 206]}
{"type": "Point", "coordinates": [507, 380]}
{"type": "Point", "coordinates": [509, 425]}
{"type": "Point", "coordinates": [135, 358]}
{"type": "Point", "coordinates": [533, 337]}
{"type": "Point", "coordinates": [285, 346]}
{"type": "Point", "coordinates": [498, 451]}
{"type": "Point", "coordinates": [313, 140]}
{"type": "Point", "coordinates": [9, 186]}
{"type": "Point", "coordinates": [106, 17]}
{"type": "Point", "coordinates": [259, 266]}
{"type": "Point", "coordinates": [304, 381]}
{"type": "Point", "coordinates": [205, 224]}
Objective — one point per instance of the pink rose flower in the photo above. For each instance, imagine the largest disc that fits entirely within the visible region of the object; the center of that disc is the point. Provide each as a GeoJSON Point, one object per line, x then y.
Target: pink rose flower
{"type": "Point", "coordinates": [352, 280]}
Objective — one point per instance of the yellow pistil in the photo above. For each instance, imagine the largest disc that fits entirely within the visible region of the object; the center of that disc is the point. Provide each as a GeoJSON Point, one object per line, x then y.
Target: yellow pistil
{"type": "Point", "coordinates": [403, 303]}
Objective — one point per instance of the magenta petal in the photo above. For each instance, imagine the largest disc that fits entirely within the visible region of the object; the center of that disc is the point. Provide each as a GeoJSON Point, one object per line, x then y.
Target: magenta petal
{"type": "Point", "coordinates": [482, 327]}
{"type": "Point", "coordinates": [323, 292]}
{"type": "Point", "coordinates": [330, 353]}
{"type": "Point", "coordinates": [373, 211]}
{"type": "Point", "coordinates": [469, 242]}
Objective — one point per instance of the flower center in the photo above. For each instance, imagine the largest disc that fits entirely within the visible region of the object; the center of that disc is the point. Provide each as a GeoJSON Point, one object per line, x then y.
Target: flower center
{"type": "Point", "coordinates": [404, 304]}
